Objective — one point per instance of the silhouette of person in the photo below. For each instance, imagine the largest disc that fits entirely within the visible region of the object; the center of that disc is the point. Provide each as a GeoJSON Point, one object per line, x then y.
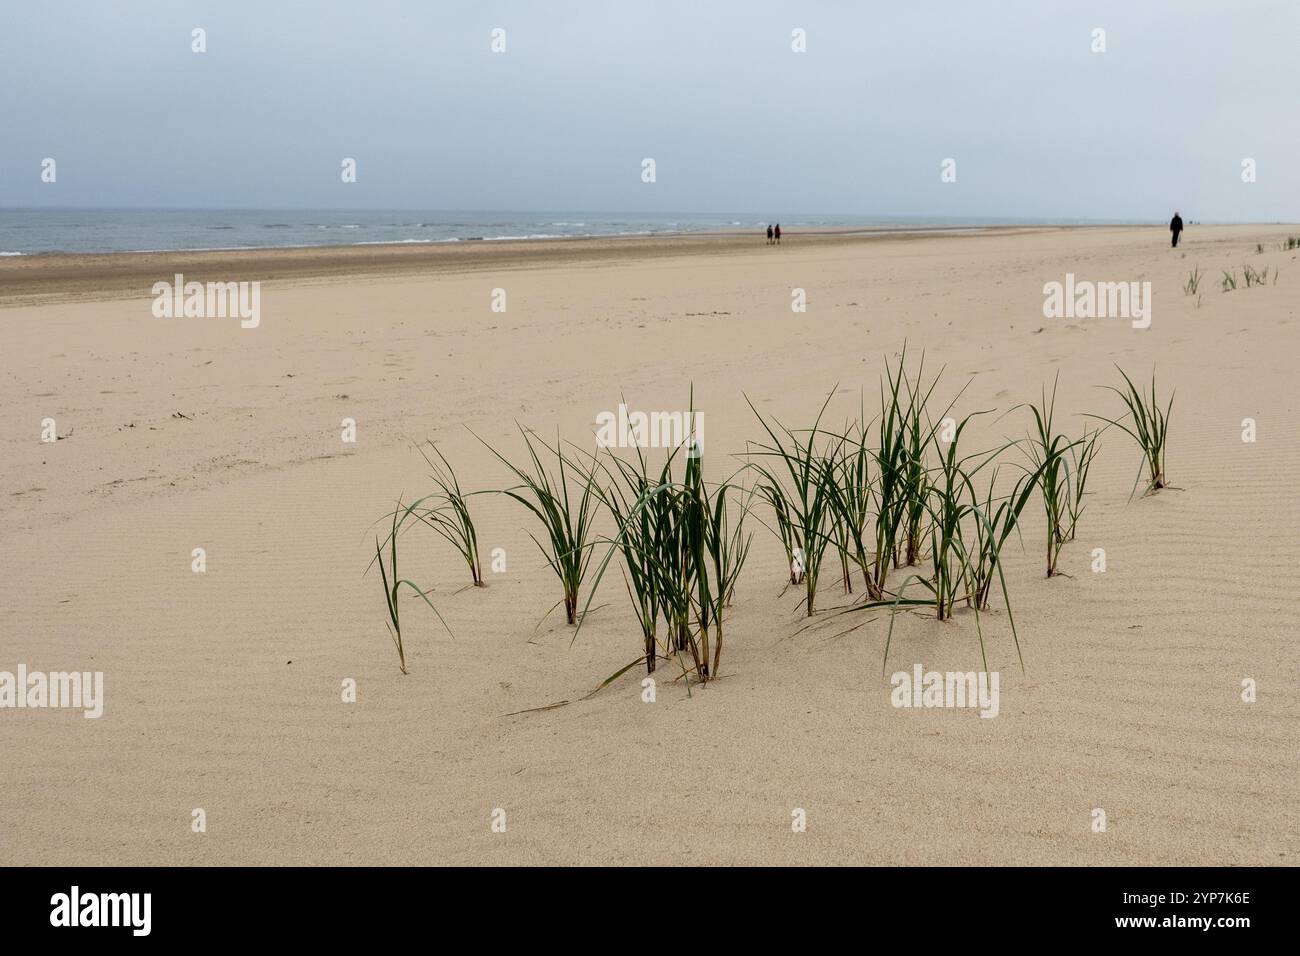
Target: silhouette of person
{"type": "Point", "coordinates": [1176, 227]}
{"type": "Point", "coordinates": [769, 235]}
{"type": "Point", "coordinates": [777, 233]}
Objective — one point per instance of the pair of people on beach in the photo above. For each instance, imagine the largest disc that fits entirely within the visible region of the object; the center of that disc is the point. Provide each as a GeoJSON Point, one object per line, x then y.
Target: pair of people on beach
{"type": "Point", "coordinates": [774, 235]}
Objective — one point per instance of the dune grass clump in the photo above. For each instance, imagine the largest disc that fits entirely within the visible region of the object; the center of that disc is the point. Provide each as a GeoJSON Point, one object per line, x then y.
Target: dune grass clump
{"type": "Point", "coordinates": [945, 500]}
{"type": "Point", "coordinates": [839, 531]}
{"type": "Point", "coordinates": [1082, 452]}
{"type": "Point", "coordinates": [917, 505]}
{"type": "Point", "coordinates": [879, 495]}
{"type": "Point", "coordinates": [996, 520]}
{"type": "Point", "coordinates": [636, 504]}
{"type": "Point", "coordinates": [1254, 278]}
{"type": "Point", "coordinates": [1146, 424]}
{"type": "Point", "coordinates": [1193, 284]}
{"type": "Point", "coordinates": [918, 489]}
{"type": "Point", "coordinates": [716, 553]}
{"type": "Point", "coordinates": [1250, 276]}
{"type": "Point", "coordinates": [1292, 242]}
{"type": "Point", "coordinates": [915, 491]}
{"type": "Point", "coordinates": [568, 520]}
{"type": "Point", "coordinates": [728, 550]}
{"type": "Point", "coordinates": [682, 556]}
{"type": "Point", "coordinates": [1047, 449]}
{"type": "Point", "coordinates": [450, 518]}
{"type": "Point", "coordinates": [775, 495]}
{"type": "Point", "coordinates": [966, 532]}
{"type": "Point", "coordinates": [851, 492]}
{"type": "Point", "coordinates": [809, 469]}
{"type": "Point", "coordinates": [393, 582]}
{"type": "Point", "coordinates": [683, 564]}
{"type": "Point", "coordinates": [966, 536]}
{"type": "Point", "coordinates": [902, 479]}
{"type": "Point", "coordinates": [890, 485]}
{"type": "Point", "coordinates": [660, 535]}
{"type": "Point", "coordinates": [918, 431]}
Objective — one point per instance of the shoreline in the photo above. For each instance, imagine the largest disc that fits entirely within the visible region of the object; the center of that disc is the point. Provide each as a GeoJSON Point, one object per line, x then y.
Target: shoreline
{"type": "Point", "coordinates": [861, 231]}
{"type": "Point", "coordinates": [51, 278]}
{"type": "Point", "coordinates": [581, 237]}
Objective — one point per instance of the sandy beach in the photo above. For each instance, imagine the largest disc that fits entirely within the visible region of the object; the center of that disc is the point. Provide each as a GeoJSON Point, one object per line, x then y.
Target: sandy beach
{"type": "Point", "coordinates": [223, 688]}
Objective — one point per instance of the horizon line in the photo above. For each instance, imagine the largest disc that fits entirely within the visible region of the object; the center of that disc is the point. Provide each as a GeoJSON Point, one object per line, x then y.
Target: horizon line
{"type": "Point", "coordinates": [649, 214]}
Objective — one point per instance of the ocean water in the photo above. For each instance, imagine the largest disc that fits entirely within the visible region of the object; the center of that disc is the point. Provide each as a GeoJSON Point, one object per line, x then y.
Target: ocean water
{"type": "Point", "coordinates": [36, 231]}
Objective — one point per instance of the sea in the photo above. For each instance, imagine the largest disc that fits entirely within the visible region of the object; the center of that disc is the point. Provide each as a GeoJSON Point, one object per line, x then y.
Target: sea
{"type": "Point", "coordinates": [36, 231]}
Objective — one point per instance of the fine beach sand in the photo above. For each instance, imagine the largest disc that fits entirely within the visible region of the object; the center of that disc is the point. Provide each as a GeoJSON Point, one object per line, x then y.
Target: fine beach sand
{"type": "Point", "coordinates": [223, 688]}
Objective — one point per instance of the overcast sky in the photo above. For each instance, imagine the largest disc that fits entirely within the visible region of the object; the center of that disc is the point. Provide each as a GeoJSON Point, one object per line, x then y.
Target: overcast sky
{"type": "Point", "coordinates": [1040, 126]}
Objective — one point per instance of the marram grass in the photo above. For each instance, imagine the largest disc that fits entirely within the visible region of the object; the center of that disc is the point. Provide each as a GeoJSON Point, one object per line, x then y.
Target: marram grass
{"type": "Point", "coordinates": [393, 582]}
{"type": "Point", "coordinates": [1148, 425]}
{"type": "Point", "coordinates": [906, 503]}
{"type": "Point", "coordinates": [1082, 452]}
{"type": "Point", "coordinates": [801, 459]}
{"type": "Point", "coordinates": [682, 555]}
{"type": "Point", "coordinates": [851, 488]}
{"type": "Point", "coordinates": [567, 519]}
{"type": "Point", "coordinates": [449, 517]}
{"type": "Point", "coordinates": [1047, 449]}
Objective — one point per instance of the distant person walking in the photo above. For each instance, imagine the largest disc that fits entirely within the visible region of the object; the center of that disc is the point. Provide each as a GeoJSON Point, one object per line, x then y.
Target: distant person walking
{"type": "Point", "coordinates": [1175, 226]}
{"type": "Point", "coordinates": [769, 235]}
{"type": "Point", "coordinates": [777, 232]}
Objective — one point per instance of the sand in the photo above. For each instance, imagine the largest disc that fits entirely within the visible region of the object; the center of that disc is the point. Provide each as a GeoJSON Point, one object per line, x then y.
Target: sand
{"type": "Point", "coordinates": [223, 689]}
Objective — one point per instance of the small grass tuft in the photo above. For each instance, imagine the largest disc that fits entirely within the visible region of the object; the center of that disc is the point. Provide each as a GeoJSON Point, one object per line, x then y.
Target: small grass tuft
{"type": "Point", "coordinates": [393, 583]}
{"type": "Point", "coordinates": [1254, 278]}
{"type": "Point", "coordinates": [450, 518]}
{"type": "Point", "coordinates": [1082, 453]}
{"type": "Point", "coordinates": [808, 507]}
{"type": "Point", "coordinates": [1147, 425]}
{"type": "Point", "coordinates": [567, 519]}
{"type": "Point", "coordinates": [1047, 448]}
